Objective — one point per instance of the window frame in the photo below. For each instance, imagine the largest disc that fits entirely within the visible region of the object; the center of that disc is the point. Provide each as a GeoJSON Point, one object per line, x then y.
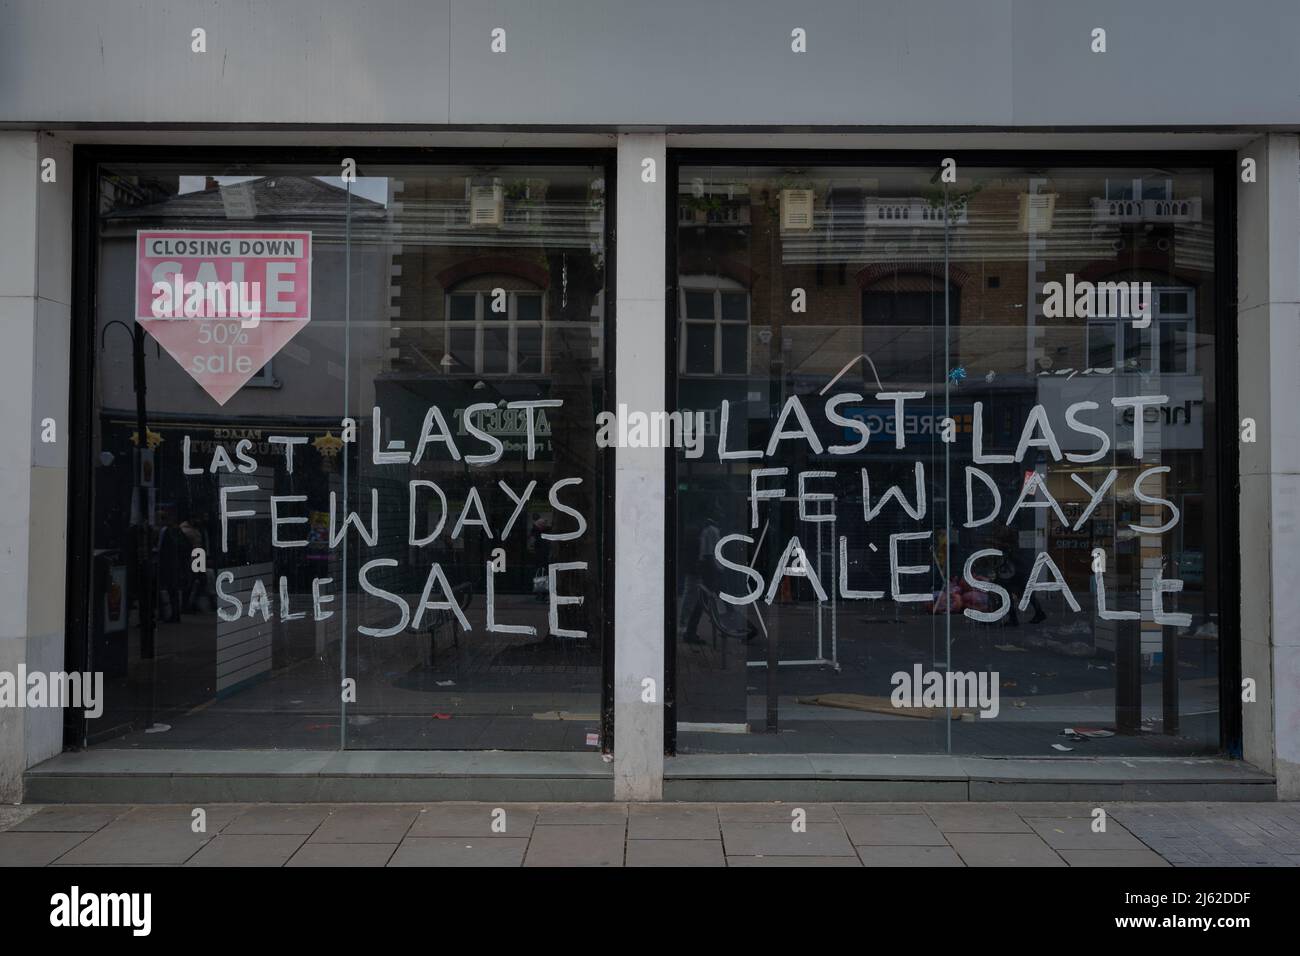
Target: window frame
{"type": "Point", "coordinates": [1220, 165]}
{"type": "Point", "coordinates": [88, 159]}
{"type": "Point", "coordinates": [717, 285]}
{"type": "Point", "coordinates": [511, 323]}
{"type": "Point", "coordinates": [1122, 331]}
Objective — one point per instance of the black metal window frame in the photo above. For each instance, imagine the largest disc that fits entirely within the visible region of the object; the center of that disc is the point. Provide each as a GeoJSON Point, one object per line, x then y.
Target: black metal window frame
{"type": "Point", "coordinates": [87, 162]}
{"type": "Point", "coordinates": [1223, 166]}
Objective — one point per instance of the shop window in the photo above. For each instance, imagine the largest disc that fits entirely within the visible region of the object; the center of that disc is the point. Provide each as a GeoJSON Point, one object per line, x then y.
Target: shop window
{"type": "Point", "coordinates": [383, 340]}
{"type": "Point", "coordinates": [864, 532]}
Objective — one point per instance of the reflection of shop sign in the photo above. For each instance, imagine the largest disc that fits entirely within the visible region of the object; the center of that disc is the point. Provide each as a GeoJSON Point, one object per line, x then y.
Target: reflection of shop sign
{"type": "Point", "coordinates": [919, 427]}
{"type": "Point", "coordinates": [508, 423]}
{"type": "Point", "coordinates": [1177, 422]}
{"type": "Point", "coordinates": [223, 303]}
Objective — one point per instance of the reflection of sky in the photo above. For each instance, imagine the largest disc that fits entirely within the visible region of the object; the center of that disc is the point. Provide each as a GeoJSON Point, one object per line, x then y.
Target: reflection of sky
{"type": "Point", "coordinates": [374, 188]}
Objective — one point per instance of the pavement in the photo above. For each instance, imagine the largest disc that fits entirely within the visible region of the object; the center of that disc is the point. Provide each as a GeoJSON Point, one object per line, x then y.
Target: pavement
{"type": "Point", "coordinates": [661, 834]}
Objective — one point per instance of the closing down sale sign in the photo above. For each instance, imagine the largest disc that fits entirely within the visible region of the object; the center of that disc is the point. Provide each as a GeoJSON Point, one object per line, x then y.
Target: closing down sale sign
{"type": "Point", "coordinates": [222, 303]}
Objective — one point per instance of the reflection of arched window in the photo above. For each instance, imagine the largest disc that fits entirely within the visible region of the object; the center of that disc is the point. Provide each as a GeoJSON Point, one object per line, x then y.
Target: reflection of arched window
{"type": "Point", "coordinates": [909, 299]}
{"type": "Point", "coordinates": [714, 326]}
{"type": "Point", "coordinates": [491, 334]}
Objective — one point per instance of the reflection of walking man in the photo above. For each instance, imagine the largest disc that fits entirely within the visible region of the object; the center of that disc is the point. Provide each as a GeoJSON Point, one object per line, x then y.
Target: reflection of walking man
{"type": "Point", "coordinates": [172, 567]}
{"type": "Point", "coordinates": [706, 565]}
{"type": "Point", "coordinates": [1016, 561]}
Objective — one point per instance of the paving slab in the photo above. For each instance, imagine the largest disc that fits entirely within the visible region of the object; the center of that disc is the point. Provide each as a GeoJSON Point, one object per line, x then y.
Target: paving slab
{"type": "Point", "coordinates": [73, 818]}
{"type": "Point", "coordinates": [243, 849]}
{"type": "Point", "coordinates": [278, 818]}
{"type": "Point", "coordinates": [342, 854]}
{"type": "Point", "coordinates": [909, 856]}
{"type": "Point", "coordinates": [775, 812]}
{"type": "Point", "coordinates": [365, 824]}
{"type": "Point", "coordinates": [11, 816]}
{"type": "Point", "coordinates": [1075, 833]}
{"type": "Point", "coordinates": [893, 829]}
{"type": "Point", "coordinates": [460, 851]}
{"type": "Point", "coordinates": [583, 814]}
{"type": "Point", "coordinates": [672, 822]}
{"type": "Point", "coordinates": [851, 809]}
{"type": "Point", "coordinates": [1113, 858]}
{"type": "Point", "coordinates": [579, 844]}
{"type": "Point", "coordinates": [35, 849]}
{"type": "Point", "coordinates": [793, 861]}
{"type": "Point", "coordinates": [976, 818]}
{"type": "Point", "coordinates": [779, 839]}
{"type": "Point", "coordinates": [147, 835]}
{"type": "Point", "coordinates": [675, 853]}
{"type": "Point", "coordinates": [1003, 849]}
{"type": "Point", "coordinates": [475, 820]}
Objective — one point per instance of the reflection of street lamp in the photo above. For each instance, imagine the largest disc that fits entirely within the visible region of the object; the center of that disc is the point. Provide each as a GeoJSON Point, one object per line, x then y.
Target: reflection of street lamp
{"type": "Point", "coordinates": [144, 534]}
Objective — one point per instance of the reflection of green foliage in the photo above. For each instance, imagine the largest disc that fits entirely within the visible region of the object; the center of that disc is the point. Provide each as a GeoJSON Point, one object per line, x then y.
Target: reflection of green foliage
{"type": "Point", "coordinates": [934, 195]}
{"type": "Point", "coordinates": [596, 209]}
{"type": "Point", "coordinates": [707, 203]}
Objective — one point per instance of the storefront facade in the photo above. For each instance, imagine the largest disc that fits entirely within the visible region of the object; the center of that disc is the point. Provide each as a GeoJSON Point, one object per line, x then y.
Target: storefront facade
{"type": "Point", "coordinates": [951, 401]}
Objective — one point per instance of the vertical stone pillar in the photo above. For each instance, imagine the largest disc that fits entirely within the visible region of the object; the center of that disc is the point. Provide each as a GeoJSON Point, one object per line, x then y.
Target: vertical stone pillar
{"type": "Point", "coordinates": [35, 356]}
{"type": "Point", "coordinates": [639, 371]}
{"type": "Point", "coordinates": [1268, 321]}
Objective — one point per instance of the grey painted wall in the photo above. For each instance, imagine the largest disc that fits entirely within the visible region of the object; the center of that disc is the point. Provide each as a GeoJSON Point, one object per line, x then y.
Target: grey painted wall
{"type": "Point", "coordinates": [675, 63]}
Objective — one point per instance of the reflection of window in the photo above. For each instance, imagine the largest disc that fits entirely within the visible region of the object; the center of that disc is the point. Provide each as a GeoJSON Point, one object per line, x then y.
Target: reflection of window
{"type": "Point", "coordinates": [908, 307]}
{"type": "Point", "coordinates": [265, 378]}
{"type": "Point", "coordinates": [715, 327]}
{"type": "Point", "coordinates": [1166, 346]}
{"type": "Point", "coordinates": [1139, 188]}
{"type": "Point", "coordinates": [487, 342]}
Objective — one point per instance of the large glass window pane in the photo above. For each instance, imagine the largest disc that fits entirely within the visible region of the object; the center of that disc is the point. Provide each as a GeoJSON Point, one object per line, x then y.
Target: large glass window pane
{"type": "Point", "coordinates": [402, 471]}
{"type": "Point", "coordinates": [1029, 562]}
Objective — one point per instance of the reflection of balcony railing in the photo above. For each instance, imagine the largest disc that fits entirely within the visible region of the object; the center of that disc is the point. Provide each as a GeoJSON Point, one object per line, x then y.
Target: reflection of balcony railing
{"type": "Point", "coordinates": [735, 215]}
{"type": "Point", "coordinates": [1146, 210]}
{"type": "Point", "coordinates": [915, 212]}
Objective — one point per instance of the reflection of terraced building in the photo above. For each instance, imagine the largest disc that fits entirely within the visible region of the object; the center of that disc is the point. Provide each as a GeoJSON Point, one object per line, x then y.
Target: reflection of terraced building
{"type": "Point", "coordinates": [790, 279]}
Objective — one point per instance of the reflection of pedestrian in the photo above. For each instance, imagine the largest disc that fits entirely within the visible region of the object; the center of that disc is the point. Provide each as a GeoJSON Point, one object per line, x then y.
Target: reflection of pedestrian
{"type": "Point", "coordinates": [542, 555]}
{"type": "Point", "coordinates": [172, 566]}
{"type": "Point", "coordinates": [706, 566]}
{"type": "Point", "coordinates": [1009, 572]}
{"type": "Point", "coordinates": [198, 580]}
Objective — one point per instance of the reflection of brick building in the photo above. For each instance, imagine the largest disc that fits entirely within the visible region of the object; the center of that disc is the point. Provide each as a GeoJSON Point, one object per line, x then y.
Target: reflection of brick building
{"type": "Point", "coordinates": [882, 275]}
{"type": "Point", "coordinates": [875, 240]}
{"type": "Point", "coordinates": [544, 237]}
{"type": "Point", "coordinates": [495, 296]}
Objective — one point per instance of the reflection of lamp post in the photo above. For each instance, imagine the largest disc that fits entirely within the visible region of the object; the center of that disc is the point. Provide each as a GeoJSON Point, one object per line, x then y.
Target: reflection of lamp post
{"type": "Point", "coordinates": [144, 532]}
{"type": "Point", "coordinates": [143, 538]}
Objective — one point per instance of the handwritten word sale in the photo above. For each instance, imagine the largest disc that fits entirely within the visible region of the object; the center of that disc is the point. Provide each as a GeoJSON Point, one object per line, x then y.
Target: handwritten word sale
{"type": "Point", "coordinates": [286, 516]}
{"type": "Point", "coordinates": [1038, 433]}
